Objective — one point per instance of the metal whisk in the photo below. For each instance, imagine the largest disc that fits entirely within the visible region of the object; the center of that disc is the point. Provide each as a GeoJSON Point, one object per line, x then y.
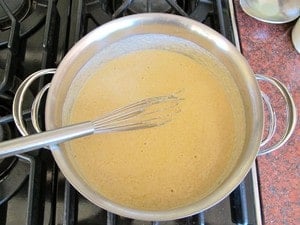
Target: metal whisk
{"type": "Point", "coordinates": [150, 112]}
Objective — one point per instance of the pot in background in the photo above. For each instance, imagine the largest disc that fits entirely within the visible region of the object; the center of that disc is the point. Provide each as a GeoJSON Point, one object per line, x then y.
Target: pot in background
{"type": "Point", "coordinates": [272, 11]}
{"type": "Point", "coordinates": [296, 36]}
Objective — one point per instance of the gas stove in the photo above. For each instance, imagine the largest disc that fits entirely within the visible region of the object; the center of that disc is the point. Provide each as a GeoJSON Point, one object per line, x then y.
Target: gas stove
{"type": "Point", "coordinates": [36, 34]}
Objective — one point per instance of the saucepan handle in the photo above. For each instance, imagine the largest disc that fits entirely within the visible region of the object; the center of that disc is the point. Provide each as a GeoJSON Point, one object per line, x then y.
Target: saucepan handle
{"type": "Point", "coordinates": [19, 99]}
{"type": "Point", "coordinates": [291, 115]}
{"type": "Point", "coordinates": [35, 108]}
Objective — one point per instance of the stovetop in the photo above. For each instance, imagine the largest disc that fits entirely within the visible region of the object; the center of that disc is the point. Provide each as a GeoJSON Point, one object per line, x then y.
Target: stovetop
{"type": "Point", "coordinates": [36, 34]}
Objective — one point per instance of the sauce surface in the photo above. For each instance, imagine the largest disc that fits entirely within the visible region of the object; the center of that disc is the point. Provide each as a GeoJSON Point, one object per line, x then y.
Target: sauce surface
{"type": "Point", "coordinates": [167, 166]}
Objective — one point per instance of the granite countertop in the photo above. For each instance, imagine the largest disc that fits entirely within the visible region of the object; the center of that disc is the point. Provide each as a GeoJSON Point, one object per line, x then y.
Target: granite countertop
{"type": "Point", "coordinates": [269, 50]}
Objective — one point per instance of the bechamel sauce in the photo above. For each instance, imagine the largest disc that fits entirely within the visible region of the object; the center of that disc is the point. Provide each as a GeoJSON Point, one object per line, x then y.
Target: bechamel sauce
{"type": "Point", "coordinates": [167, 166]}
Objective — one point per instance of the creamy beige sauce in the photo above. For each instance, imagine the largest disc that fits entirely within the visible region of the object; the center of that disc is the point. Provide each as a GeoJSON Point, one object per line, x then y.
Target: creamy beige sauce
{"type": "Point", "coordinates": [168, 166]}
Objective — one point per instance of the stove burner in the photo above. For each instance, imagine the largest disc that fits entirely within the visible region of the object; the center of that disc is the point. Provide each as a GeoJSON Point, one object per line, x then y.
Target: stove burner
{"type": "Point", "coordinates": [19, 8]}
{"type": "Point", "coordinates": [7, 131]}
{"type": "Point", "coordinates": [141, 6]}
{"type": "Point", "coordinates": [13, 172]}
{"type": "Point", "coordinates": [29, 13]}
{"type": "Point", "coordinates": [6, 165]}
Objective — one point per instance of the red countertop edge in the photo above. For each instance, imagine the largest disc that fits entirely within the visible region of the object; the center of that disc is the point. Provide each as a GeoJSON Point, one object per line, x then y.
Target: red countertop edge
{"type": "Point", "coordinates": [269, 50]}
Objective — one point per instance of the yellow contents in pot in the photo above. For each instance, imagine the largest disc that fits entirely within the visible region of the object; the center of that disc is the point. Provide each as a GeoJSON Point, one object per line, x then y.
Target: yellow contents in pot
{"type": "Point", "coordinates": [167, 166]}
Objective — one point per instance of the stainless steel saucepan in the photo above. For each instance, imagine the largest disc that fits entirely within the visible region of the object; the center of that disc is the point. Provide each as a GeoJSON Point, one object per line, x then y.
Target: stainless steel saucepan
{"type": "Point", "coordinates": [148, 31]}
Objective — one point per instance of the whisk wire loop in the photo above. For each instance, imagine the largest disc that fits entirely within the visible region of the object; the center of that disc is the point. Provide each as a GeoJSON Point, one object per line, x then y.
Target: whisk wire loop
{"type": "Point", "coordinates": [146, 113]}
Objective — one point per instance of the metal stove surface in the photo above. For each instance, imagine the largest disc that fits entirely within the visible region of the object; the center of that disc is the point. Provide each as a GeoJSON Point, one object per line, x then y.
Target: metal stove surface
{"type": "Point", "coordinates": [36, 34]}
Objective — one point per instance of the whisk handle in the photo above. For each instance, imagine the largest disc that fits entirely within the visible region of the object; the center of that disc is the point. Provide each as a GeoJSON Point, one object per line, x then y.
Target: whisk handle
{"type": "Point", "coordinates": [47, 138]}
